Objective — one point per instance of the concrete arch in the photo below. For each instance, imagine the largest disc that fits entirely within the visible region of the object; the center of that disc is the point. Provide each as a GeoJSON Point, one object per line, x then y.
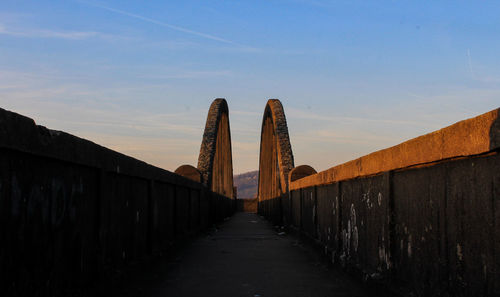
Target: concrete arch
{"type": "Point", "coordinates": [276, 157]}
{"type": "Point", "coordinates": [215, 161]}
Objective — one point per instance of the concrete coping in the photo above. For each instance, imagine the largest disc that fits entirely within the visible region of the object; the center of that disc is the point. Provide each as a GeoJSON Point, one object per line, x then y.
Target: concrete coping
{"type": "Point", "coordinates": [190, 172]}
{"type": "Point", "coordinates": [469, 137]}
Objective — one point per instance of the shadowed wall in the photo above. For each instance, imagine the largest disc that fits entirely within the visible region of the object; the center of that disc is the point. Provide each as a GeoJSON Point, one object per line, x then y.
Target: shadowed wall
{"type": "Point", "coordinates": [73, 213]}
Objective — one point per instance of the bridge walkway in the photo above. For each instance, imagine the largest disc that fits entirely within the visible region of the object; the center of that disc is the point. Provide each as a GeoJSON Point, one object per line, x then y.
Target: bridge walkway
{"type": "Point", "coordinates": [246, 257]}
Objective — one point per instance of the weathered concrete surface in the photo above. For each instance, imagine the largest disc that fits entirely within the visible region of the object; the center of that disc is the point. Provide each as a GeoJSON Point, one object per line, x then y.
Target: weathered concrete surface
{"type": "Point", "coordinates": [215, 160]}
{"type": "Point", "coordinates": [423, 231]}
{"type": "Point", "coordinates": [246, 257]}
{"type": "Point", "coordinates": [275, 159]}
{"type": "Point", "coordinates": [190, 172]}
{"type": "Point", "coordinates": [466, 138]}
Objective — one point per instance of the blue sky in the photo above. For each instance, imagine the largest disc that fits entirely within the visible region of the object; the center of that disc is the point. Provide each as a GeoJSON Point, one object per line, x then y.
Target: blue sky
{"type": "Point", "coordinates": [354, 76]}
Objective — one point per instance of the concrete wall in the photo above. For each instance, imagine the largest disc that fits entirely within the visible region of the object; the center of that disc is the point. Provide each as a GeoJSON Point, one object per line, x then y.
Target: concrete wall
{"type": "Point", "coordinates": [247, 205]}
{"type": "Point", "coordinates": [71, 211]}
{"type": "Point", "coordinates": [429, 231]}
{"type": "Point", "coordinates": [422, 217]}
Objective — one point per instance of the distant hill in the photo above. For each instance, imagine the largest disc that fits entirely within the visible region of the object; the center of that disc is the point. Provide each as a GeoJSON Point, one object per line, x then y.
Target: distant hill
{"type": "Point", "coordinates": [247, 184]}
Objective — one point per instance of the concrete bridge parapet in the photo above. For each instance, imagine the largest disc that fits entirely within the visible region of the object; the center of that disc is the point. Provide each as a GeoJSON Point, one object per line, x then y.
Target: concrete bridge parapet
{"type": "Point", "coordinates": [421, 217]}
{"type": "Point", "coordinates": [73, 213]}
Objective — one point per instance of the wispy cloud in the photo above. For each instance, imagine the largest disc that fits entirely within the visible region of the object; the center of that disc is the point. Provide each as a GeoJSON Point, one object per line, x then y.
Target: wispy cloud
{"type": "Point", "coordinates": [490, 79]}
{"type": "Point", "coordinates": [150, 136]}
{"type": "Point", "coordinates": [247, 113]}
{"type": "Point", "coordinates": [157, 151]}
{"type": "Point", "coordinates": [160, 23]}
{"type": "Point", "coordinates": [191, 75]}
{"type": "Point", "coordinates": [239, 49]}
{"type": "Point", "coordinates": [346, 136]}
{"type": "Point", "coordinates": [39, 93]}
{"type": "Point", "coordinates": [301, 114]}
{"type": "Point", "coordinates": [169, 44]}
{"type": "Point", "coordinates": [41, 33]}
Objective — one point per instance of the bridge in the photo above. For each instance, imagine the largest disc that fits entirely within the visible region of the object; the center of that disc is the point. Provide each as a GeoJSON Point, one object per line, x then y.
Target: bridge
{"type": "Point", "coordinates": [421, 218]}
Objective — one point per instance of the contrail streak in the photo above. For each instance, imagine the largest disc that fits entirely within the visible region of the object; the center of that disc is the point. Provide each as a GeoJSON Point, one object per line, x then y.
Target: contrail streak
{"type": "Point", "coordinates": [159, 23]}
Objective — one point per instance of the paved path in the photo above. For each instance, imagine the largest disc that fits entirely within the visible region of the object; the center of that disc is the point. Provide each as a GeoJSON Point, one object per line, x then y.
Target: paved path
{"type": "Point", "coordinates": [247, 258]}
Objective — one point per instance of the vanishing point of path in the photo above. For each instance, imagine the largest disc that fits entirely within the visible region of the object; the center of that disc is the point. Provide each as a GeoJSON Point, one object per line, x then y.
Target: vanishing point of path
{"type": "Point", "coordinates": [246, 257]}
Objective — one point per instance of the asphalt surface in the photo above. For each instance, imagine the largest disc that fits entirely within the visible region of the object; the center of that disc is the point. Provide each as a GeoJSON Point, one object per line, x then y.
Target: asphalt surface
{"type": "Point", "coordinates": [246, 257]}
